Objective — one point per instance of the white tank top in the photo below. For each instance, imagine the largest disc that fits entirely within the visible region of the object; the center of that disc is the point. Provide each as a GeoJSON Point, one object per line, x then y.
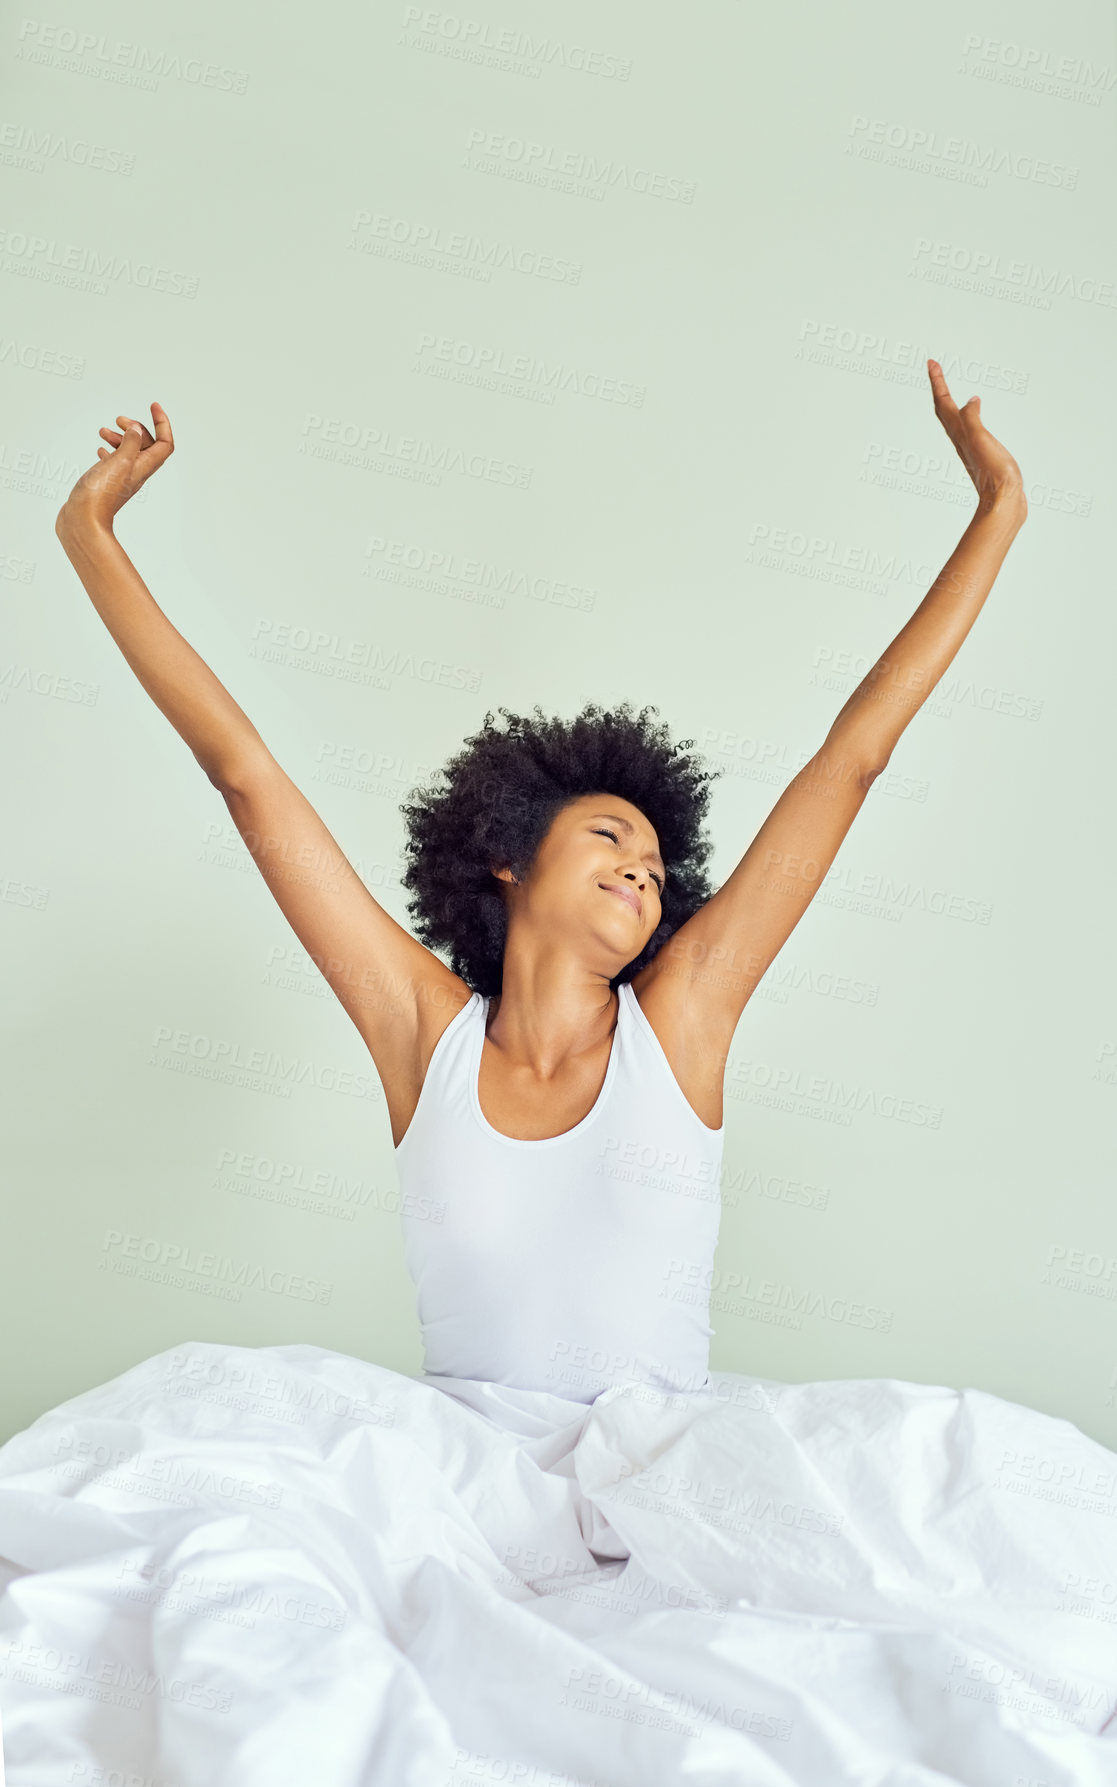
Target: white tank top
{"type": "Point", "coordinates": [568, 1264]}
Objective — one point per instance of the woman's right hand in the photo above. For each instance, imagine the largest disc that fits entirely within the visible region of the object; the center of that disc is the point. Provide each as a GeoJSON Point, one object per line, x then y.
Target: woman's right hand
{"type": "Point", "coordinates": [990, 466]}
{"type": "Point", "coordinates": [120, 470]}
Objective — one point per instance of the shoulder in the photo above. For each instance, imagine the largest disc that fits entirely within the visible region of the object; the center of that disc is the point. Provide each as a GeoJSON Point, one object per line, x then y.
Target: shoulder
{"type": "Point", "coordinates": [694, 1040]}
{"type": "Point", "coordinates": [439, 998]}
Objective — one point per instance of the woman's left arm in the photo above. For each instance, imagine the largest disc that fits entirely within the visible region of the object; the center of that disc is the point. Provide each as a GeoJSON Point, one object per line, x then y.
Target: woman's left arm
{"type": "Point", "coordinates": [877, 712]}
{"type": "Point", "coordinates": [709, 968]}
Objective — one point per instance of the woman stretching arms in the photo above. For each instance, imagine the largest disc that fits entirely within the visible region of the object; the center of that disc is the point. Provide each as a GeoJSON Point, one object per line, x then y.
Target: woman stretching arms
{"type": "Point", "coordinates": [647, 1588]}
{"type": "Point", "coordinates": [559, 1010]}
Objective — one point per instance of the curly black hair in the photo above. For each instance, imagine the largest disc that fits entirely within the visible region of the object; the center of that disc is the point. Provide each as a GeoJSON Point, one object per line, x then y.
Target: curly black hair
{"type": "Point", "coordinates": [503, 790]}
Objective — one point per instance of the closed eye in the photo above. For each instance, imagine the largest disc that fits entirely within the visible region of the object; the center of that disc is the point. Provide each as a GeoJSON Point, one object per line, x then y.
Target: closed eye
{"type": "Point", "coordinates": [603, 832]}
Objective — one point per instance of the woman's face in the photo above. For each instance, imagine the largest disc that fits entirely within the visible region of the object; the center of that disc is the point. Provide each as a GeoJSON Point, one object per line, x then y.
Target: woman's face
{"type": "Point", "coordinates": [598, 873]}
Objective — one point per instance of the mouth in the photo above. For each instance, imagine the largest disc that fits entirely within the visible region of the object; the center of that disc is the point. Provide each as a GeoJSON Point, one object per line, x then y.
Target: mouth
{"type": "Point", "coordinates": [628, 898]}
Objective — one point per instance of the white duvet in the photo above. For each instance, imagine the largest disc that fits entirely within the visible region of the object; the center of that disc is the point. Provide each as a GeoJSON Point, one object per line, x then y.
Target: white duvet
{"type": "Point", "coordinates": [262, 1567]}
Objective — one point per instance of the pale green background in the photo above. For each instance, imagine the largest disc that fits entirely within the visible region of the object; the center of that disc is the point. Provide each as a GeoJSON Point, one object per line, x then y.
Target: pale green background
{"type": "Point", "coordinates": [150, 914]}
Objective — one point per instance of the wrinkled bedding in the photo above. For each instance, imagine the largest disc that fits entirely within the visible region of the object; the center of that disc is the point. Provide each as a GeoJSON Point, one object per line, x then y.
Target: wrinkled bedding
{"type": "Point", "coordinates": [256, 1567]}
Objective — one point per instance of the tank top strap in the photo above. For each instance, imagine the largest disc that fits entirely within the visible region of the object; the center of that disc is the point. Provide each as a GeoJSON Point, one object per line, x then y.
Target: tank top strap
{"type": "Point", "coordinates": [447, 1070]}
{"type": "Point", "coordinates": [644, 1047]}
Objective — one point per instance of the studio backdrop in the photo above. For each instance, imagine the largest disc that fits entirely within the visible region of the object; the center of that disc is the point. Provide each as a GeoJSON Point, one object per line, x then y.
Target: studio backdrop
{"type": "Point", "coordinates": [531, 355]}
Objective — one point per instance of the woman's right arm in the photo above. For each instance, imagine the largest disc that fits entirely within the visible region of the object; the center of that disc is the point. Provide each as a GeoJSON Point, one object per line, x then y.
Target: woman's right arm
{"type": "Point", "coordinates": [387, 981]}
{"type": "Point", "coordinates": [199, 707]}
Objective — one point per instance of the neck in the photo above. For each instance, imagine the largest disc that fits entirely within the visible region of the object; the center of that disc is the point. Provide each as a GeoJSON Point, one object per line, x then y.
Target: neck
{"type": "Point", "coordinates": [549, 1012]}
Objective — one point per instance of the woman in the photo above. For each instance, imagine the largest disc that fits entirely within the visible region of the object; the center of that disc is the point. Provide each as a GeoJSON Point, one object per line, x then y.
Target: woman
{"type": "Point", "coordinates": [577, 1042]}
{"type": "Point", "coordinates": [247, 1566]}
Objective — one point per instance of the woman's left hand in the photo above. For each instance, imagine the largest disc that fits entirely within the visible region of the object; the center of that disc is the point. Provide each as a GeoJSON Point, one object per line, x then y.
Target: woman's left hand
{"type": "Point", "coordinates": [991, 466]}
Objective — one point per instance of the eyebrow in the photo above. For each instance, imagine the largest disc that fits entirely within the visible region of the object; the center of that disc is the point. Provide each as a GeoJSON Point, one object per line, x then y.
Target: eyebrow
{"type": "Point", "coordinates": [630, 829]}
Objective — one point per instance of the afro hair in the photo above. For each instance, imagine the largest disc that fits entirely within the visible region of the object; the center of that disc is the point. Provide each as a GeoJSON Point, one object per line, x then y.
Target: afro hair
{"type": "Point", "coordinates": [501, 793]}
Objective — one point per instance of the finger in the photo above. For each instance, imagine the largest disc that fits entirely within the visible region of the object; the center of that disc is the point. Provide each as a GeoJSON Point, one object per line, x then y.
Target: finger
{"type": "Point", "coordinates": [152, 455]}
{"type": "Point", "coordinates": [111, 435]}
{"type": "Point", "coordinates": [944, 402]}
{"type": "Point", "coordinates": [161, 448]}
{"type": "Point", "coordinates": [131, 422]}
{"type": "Point", "coordinates": [131, 447]}
{"type": "Point", "coordinates": [162, 425]}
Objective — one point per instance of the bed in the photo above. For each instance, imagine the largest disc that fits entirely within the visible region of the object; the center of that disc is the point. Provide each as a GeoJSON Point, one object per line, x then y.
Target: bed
{"type": "Point", "coordinates": [261, 1566]}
